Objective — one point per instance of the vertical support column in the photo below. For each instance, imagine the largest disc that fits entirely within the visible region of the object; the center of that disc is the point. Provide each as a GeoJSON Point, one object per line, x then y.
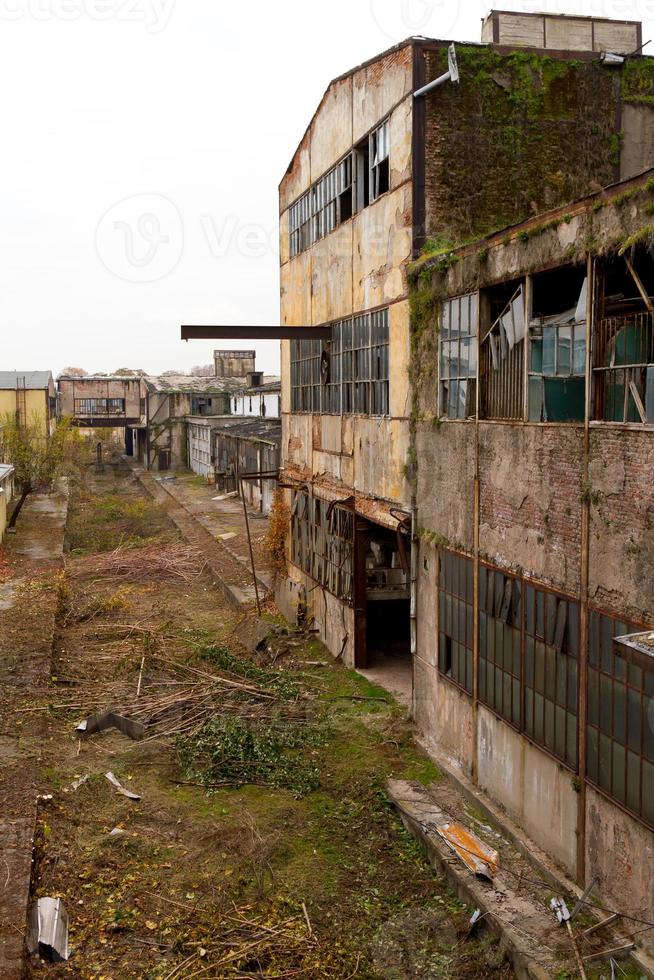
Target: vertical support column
{"type": "Point", "coordinates": [483, 316]}
{"type": "Point", "coordinates": [583, 584]}
{"type": "Point", "coordinates": [528, 305]}
{"type": "Point", "coordinates": [360, 630]}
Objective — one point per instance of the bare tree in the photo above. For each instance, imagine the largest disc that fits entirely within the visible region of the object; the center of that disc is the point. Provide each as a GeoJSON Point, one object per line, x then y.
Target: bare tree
{"type": "Point", "coordinates": [75, 372]}
{"type": "Point", "coordinates": [203, 371]}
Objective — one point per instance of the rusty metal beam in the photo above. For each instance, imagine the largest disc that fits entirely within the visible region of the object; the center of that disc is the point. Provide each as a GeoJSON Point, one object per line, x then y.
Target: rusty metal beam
{"type": "Point", "coordinates": [255, 333]}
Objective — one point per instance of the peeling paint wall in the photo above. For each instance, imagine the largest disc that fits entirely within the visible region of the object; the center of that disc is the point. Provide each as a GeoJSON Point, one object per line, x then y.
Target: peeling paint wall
{"type": "Point", "coordinates": [359, 266]}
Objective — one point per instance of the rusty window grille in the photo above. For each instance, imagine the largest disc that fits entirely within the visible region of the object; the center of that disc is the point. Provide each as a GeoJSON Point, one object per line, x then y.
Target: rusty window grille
{"type": "Point", "coordinates": [323, 546]}
{"type": "Point", "coordinates": [351, 375]}
{"type": "Point", "coordinates": [620, 722]}
{"type": "Point", "coordinates": [305, 375]}
{"type": "Point", "coordinates": [455, 618]}
{"type": "Point", "coordinates": [501, 362]}
{"type": "Point", "coordinates": [99, 406]}
{"type": "Point", "coordinates": [551, 672]}
{"type": "Point", "coordinates": [623, 368]}
{"type": "Point", "coordinates": [500, 641]}
{"type": "Point", "coordinates": [458, 356]}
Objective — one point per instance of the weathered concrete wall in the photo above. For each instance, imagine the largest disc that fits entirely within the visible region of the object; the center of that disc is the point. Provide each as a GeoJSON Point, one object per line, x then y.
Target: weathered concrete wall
{"type": "Point", "coordinates": [36, 404]}
{"type": "Point", "coordinates": [637, 140]}
{"type": "Point", "coordinates": [446, 481]}
{"type": "Point", "coordinates": [233, 363]}
{"type": "Point", "coordinates": [621, 546]}
{"type": "Point", "coordinates": [130, 389]}
{"type": "Point", "coordinates": [530, 480]}
{"type": "Point", "coordinates": [333, 619]}
{"type": "Point", "coordinates": [535, 790]}
{"type": "Point", "coordinates": [620, 855]}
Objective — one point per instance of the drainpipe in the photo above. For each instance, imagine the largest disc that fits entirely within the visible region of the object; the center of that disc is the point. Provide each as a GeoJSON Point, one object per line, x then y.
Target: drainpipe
{"type": "Point", "coordinates": [414, 580]}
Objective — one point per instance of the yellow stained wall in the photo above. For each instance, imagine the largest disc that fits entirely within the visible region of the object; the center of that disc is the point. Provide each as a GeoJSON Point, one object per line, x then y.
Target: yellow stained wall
{"type": "Point", "coordinates": [36, 402]}
{"type": "Point", "coordinates": [359, 266]}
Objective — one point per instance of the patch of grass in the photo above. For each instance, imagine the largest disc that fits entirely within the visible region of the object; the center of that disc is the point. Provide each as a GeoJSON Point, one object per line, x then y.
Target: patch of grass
{"type": "Point", "coordinates": [98, 523]}
{"type": "Point", "coordinates": [233, 751]}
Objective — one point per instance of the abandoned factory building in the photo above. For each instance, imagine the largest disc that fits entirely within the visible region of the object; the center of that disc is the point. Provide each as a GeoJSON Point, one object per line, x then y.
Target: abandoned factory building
{"type": "Point", "coordinates": [468, 458]}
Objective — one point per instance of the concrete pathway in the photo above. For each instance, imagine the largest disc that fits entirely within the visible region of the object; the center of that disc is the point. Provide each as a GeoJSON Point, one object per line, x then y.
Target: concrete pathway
{"type": "Point", "coordinates": [28, 604]}
{"type": "Point", "coordinates": [202, 521]}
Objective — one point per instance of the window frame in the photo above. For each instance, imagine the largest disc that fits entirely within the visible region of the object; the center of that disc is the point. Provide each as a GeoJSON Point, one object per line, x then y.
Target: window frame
{"type": "Point", "coordinates": [604, 652]}
{"type": "Point", "coordinates": [450, 386]}
{"type": "Point", "coordinates": [357, 367]}
{"type": "Point", "coordinates": [357, 177]}
{"type": "Point", "coordinates": [454, 565]}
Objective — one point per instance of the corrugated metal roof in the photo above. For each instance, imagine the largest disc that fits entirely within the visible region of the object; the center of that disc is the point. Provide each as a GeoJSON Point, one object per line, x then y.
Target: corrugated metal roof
{"type": "Point", "coordinates": [258, 429]}
{"type": "Point", "coordinates": [5, 470]}
{"type": "Point", "coordinates": [183, 383]}
{"type": "Point", "coordinates": [275, 384]}
{"type": "Point", "coordinates": [34, 380]}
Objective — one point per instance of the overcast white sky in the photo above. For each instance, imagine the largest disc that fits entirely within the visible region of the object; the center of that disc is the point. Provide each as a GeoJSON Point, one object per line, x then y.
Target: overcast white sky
{"type": "Point", "coordinates": [141, 146]}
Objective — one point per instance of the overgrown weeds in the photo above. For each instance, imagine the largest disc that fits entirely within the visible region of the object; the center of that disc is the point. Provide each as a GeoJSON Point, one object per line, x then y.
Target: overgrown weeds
{"type": "Point", "coordinates": [279, 683]}
{"type": "Point", "coordinates": [235, 751]}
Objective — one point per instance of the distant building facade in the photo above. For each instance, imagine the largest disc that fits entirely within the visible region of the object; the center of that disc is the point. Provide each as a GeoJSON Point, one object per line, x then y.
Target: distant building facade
{"type": "Point", "coordinates": [30, 397]}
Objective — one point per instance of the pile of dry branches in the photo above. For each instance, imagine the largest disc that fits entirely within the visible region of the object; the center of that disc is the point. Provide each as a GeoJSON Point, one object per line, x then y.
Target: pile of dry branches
{"type": "Point", "coordinates": [246, 943]}
{"type": "Point", "coordinates": [141, 564]}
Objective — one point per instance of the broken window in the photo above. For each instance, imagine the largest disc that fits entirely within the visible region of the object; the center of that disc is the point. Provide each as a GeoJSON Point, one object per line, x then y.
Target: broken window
{"type": "Point", "coordinates": [331, 199]}
{"type": "Point", "coordinates": [550, 672]}
{"type": "Point", "coordinates": [350, 374]}
{"type": "Point", "coordinates": [500, 628]}
{"type": "Point", "coordinates": [322, 543]}
{"type": "Point", "coordinates": [501, 353]}
{"type": "Point", "coordinates": [202, 405]}
{"type": "Point", "coordinates": [623, 348]}
{"type": "Point", "coordinates": [455, 618]}
{"type": "Point", "coordinates": [458, 357]}
{"type": "Point", "coordinates": [379, 161]}
{"type": "Point", "coordinates": [299, 224]}
{"type": "Point", "coordinates": [557, 355]}
{"type": "Point", "coordinates": [354, 183]}
{"type": "Point", "coordinates": [99, 406]}
{"type": "Point", "coordinates": [620, 753]}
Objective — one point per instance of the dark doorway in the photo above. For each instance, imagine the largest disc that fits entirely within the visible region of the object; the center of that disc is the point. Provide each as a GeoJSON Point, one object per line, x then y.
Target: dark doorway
{"type": "Point", "coordinates": [383, 608]}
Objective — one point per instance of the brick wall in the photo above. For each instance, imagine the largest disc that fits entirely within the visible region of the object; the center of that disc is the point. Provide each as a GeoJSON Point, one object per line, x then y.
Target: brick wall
{"type": "Point", "coordinates": [530, 500]}
{"type": "Point", "coordinates": [621, 488]}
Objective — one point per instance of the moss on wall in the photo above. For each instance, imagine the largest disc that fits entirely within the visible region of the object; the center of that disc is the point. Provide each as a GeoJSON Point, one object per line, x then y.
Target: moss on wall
{"type": "Point", "coordinates": [637, 81]}
{"type": "Point", "coordinates": [521, 133]}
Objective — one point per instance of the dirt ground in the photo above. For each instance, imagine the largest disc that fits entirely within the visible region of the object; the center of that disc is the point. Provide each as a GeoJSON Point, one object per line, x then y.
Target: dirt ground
{"type": "Point", "coordinates": [262, 844]}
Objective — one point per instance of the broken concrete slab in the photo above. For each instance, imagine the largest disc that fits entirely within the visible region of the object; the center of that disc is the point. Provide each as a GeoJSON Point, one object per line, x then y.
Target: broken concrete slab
{"type": "Point", "coordinates": [253, 632]}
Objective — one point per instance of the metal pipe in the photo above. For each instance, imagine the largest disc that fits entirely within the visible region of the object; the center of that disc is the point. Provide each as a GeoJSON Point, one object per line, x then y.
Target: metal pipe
{"type": "Point", "coordinates": [437, 82]}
